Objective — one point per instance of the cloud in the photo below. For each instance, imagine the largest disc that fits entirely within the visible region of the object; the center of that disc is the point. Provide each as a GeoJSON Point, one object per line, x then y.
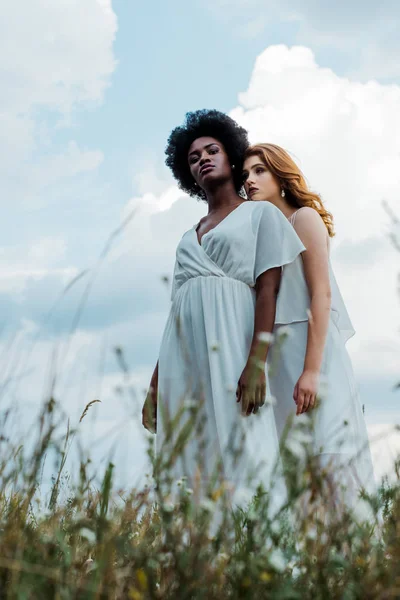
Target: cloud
{"type": "Point", "coordinates": [362, 36]}
{"type": "Point", "coordinates": [54, 57]}
{"type": "Point", "coordinates": [55, 54]}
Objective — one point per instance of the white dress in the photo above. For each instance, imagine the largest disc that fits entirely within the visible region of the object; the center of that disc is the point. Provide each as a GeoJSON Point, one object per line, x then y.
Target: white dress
{"type": "Point", "coordinates": [339, 431]}
{"type": "Point", "coordinates": [206, 344]}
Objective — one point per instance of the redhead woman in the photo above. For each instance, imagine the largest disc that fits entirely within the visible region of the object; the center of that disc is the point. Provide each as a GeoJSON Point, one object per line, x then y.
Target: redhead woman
{"type": "Point", "coordinates": [227, 273]}
{"type": "Point", "coordinates": [313, 361]}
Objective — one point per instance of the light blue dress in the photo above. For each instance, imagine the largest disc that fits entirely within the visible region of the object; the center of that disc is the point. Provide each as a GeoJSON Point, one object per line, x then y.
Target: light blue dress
{"type": "Point", "coordinates": [206, 344]}
{"type": "Point", "coordinates": [340, 437]}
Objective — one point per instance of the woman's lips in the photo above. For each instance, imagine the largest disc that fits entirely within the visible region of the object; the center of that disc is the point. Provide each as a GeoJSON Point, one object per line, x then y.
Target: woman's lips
{"type": "Point", "coordinates": [206, 169]}
{"type": "Point", "coordinates": [253, 191]}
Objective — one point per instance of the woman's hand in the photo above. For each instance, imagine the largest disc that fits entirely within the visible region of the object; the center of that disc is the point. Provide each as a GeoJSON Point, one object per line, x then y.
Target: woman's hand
{"type": "Point", "coordinates": [252, 387]}
{"type": "Point", "coordinates": [149, 410]}
{"type": "Point", "coordinates": [305, 391]}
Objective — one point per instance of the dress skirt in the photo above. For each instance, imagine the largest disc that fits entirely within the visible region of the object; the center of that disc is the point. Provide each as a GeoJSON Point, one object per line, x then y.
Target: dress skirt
{"type": "Point", "coordinates": [204, 350]}
{"type": "Point", "coordinates": [339, 432]}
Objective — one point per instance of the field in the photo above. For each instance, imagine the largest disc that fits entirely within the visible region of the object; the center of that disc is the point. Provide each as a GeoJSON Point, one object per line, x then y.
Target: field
{"type": "Point", "coordinates": [105, 543]}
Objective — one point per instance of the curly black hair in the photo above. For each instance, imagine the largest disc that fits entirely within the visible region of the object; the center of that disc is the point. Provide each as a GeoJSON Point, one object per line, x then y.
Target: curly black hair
{"type": "Point", "coordinates": [205, 123]}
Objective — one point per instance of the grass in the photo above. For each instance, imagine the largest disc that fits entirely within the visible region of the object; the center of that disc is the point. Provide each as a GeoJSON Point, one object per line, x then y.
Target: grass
{"type": "Point", "coordinates": [147, 544]}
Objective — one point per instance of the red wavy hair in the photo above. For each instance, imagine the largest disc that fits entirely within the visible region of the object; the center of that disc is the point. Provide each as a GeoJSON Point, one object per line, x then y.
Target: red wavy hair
{"type": "Point", "coordinates": [291, 179]}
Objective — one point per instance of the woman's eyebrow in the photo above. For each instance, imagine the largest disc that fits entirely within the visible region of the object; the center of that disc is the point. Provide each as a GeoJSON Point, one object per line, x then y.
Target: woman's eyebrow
{"type": "Point", "coordinates": [207, 146]}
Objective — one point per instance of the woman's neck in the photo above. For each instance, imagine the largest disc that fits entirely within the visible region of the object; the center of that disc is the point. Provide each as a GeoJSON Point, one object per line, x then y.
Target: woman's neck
{"type": "Point", "coordinates": [283, 206]}
{"type": "Point", "coordinates": [223, 196]}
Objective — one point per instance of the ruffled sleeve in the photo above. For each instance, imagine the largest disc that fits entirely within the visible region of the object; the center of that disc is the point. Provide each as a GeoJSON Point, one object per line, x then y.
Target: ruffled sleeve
{"type": "Point", "coordinates": [277, 243]}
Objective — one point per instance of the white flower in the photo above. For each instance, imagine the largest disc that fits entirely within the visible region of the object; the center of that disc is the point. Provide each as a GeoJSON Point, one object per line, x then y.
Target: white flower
{"type": "Point", "coordinates": [252, 515]}
{"type": "Point", "coordinates": [266, 337]}
{"type": "Point", "coordinates": [275, 527]}
{"type": "Point", "coordinates": [296, 448]}
{"type": "Point", "coordinates": [284, 331]}
{"type": "Point", "coordinates": [303, 419]}
{"type": "Point", "coordinates": [270, 400]}
{"type": "Point", "coordinates": [88, 534]}
{"type": "Point", "coordinates": [277, 560]}
{"type": "Point", "coordinates": [168, 507]}
{"type": "Point", "coordinates": [362, 510]}
{"type": "Point", "coordinates": [259, 364]}
{"type": "Point", "coordinates": [300, 436]}
{"type": "Point", "coordinates": [189, 404]}
{"type": "Point", "coordinates": [312, 533]}
{"type": "Point", "coordinates": [89, 565]}
{"type": "Point", "coordinates": [222, 556]}
{"type": "Point", "coordinates": [207, 505]}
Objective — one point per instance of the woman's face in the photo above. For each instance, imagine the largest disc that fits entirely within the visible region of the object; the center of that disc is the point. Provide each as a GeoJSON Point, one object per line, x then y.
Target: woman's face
{"type": "Point", "coordinates": [259, 182]}
{"type": "Point", "coordinates": [208, 162]}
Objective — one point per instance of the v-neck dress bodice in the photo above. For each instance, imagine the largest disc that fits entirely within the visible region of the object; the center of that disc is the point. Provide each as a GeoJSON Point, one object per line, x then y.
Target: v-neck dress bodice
{"type": "Point", "coordinates": [207, 340]}
{"type": "Point", "coordinates": [250, 240]}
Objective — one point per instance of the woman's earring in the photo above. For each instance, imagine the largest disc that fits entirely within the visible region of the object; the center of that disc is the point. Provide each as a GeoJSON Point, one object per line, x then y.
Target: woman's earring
{"type": "Point", "coordinates": [233, 166]}
{"type": "Point", "coordinates": [195, 184]}
{"type": "Point", "coordinates": [283, 193]}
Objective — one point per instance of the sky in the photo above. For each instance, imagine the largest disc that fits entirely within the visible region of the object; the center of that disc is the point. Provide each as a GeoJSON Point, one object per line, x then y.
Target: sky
{"type": "Point", "coordinates": [90, 90]}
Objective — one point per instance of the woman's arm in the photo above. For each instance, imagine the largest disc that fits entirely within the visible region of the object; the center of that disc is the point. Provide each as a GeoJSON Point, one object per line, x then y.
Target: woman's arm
{"type": "Point", "coordinates": [252, 383]}
{"type": "Point", "coordinates": [312, 232]}
{"type": "Point", "coordinates": [149, 410]}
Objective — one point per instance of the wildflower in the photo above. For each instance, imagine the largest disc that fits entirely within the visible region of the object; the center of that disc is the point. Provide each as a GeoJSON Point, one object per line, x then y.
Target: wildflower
{"type": "Point", "coordinates": [207, 505]}
{"type": "Point", "coordinates": [190, 403]}
{"type": "Point", "coordinates": [270, 400]}
{"type": "Point", "coordinates": [135, 594]}
{"type": "Point", "coordinates": [300, 436]}
{"type": "Point", "coordinates": [168, 507]}
{"type": "Point", "coordinates": [141, 579]}
{"type": "Point", "coordinates": [284, 331]}
{"type": "Point", "coordinates": [265, 337]}
{"type": "Point", "coordinates": [312, 533]}
{"type": "Point", "coordinates": [265, 577]}
{"type": "Point", "coordinates": [303, 419]}
{"type": "Point", "coordinates": [252, 515]}
{"type": "Point", "coordinates": [166, 558]}
{"type": "Point", "coordinates": [88, 534]}
{"type": "Point", "coordinates": [223, 557]}
{"type": "Point", "coordinates": [216, 494]}
{"type": "Point", "coordinates": [277, 560]}
{"type": "Point", "coordinates": [295, 448]}
{"type": "Point", "coordinates": [89, 565]}
{"type": "Point", "coordinates": [275, 527]}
